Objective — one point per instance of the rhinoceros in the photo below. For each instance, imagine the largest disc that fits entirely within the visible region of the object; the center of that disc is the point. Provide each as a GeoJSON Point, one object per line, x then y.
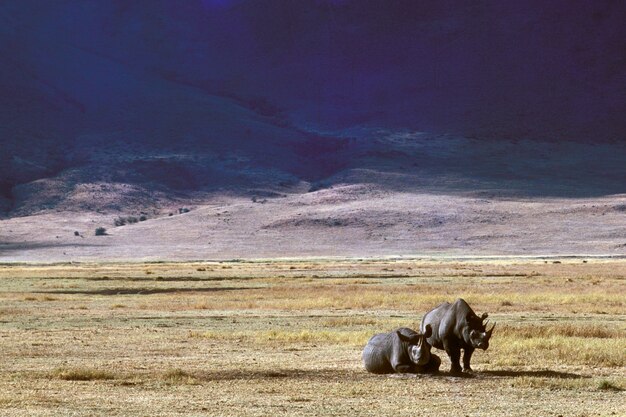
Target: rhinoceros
{"type": "Point", "coordinates": [454, 327]}
{"type": "Point", "coordinates": [403, 351]}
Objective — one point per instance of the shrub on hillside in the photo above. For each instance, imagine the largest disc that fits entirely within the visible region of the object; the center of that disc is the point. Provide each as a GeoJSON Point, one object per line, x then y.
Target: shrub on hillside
{"type": "Point", "coordinates": [121, 221]}
{"type": "Point", "coordinates": [101, 231]}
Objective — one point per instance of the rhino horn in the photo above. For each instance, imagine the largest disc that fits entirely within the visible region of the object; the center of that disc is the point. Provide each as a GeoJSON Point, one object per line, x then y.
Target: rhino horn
{"type": "Point", "coordinates": [491, 330]}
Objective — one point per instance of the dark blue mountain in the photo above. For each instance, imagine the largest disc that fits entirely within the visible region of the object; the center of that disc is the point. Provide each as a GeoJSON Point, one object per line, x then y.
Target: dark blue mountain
{"type": "Point", "coordinates": [185, 96]}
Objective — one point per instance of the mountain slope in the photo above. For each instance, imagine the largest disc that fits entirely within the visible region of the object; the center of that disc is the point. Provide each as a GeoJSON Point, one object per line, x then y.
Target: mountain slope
{"type": "Point", "coordinates": [325, 125]}
{"type": "Point", "coordinates": [503, 70]}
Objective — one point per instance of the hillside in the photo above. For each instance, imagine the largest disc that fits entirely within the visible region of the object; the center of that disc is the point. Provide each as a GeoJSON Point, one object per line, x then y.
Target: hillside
{"type": "Point", "coordinates": [511, 199]}
{"type": "Point", "coordinates": [322, 127]}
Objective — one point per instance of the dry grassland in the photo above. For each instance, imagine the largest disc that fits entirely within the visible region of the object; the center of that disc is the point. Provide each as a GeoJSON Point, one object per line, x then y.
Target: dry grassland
{"type": "Point", "coordinates": [285, 337]}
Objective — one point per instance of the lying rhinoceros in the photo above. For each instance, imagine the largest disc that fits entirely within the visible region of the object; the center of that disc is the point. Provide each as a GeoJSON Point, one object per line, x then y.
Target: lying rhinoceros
{"type": "Point", "coordinates": [403, 351]}
{"type": "Point", "coordinates": [455, 327]}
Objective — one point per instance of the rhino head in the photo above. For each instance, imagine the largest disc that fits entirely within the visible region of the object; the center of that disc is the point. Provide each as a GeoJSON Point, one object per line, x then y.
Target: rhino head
{"type": "Point", "coordinates": [418, 347]}
{"type": "Point", "coordinates": [479, 335]}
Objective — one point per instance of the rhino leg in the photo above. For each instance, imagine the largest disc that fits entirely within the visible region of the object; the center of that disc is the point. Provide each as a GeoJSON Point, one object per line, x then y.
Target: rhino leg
{"type": "Point", "coordinates": [467, 356]}
{"type": "Point", "coordinates": [454, 353]}
{"type": "Point", "coordinates": [402, 369]}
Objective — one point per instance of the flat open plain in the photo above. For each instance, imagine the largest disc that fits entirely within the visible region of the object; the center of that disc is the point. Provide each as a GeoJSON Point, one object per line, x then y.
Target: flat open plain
{"type": "Point", "coordinates": [284, 337]}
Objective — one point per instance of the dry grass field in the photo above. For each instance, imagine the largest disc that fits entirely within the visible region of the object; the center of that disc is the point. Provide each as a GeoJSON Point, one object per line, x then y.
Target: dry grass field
{"type": "Point", "coordinates": [284, 337]}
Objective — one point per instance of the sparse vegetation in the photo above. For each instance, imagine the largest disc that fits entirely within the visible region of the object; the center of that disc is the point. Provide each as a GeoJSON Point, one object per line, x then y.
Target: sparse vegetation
{"type": "Point", "coordinates": [179, 377]}
{"type": "Point", "coordinates": [543, 331]}
{"type": "Point", "coordinates": [82, 374]}
{"type": "Point", "coordinates": [289, 330]}
{"type": "Point", "coordinates": [349, 338]}
{"type": "Point", "coordinates": [122, 221]}
{"type": "Point", "coordinates": [605, 385]}
{"type": "Point", "coordinates": [101, 231]}
{"type": "Point", "coordinates": [620, 207]}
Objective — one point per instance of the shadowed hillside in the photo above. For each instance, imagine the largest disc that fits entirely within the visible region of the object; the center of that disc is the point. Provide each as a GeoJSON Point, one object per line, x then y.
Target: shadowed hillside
{"type": "Point", "coordinates": [116, 108]}
{"type": "Point", "coordinates": [540, 70]}
{"type": "Point", "coordinates": [172, 93]}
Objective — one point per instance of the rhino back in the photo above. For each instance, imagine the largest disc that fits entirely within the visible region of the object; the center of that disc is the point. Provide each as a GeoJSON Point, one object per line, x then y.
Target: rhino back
{"type": "Point", "coordinates": [377, 353]}
{"type": "Point", "coordinates": [448, 321]}
{"type": "Point", "coordinates": [436, 317]}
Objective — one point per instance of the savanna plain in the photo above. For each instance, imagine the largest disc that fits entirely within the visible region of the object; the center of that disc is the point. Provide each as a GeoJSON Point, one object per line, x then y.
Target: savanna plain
{"type": "Point", "coordinates": [284, 337]}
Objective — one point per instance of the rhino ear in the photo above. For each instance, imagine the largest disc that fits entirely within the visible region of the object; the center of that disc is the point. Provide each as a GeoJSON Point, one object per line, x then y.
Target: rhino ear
{"type": "Point", "coordinates": [428, 331]}
{"type": "Point", "coordinates": [484, 316]}
{"type": "Point", "coordinates": [403, 337]}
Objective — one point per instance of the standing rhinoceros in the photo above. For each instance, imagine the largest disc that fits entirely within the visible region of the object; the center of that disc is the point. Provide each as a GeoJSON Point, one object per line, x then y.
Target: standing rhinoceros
{"type": "Point", "coordinates": [403, 351]}
{"type": "Point", "coordinates": [455, 327]}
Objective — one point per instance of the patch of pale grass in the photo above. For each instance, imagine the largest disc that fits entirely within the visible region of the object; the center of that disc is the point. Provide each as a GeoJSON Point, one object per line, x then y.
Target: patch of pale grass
{"type": "Point", "coordinates": [349, 321]}
{"type": "Point", "coordinates": [509, 350]}
{"type": "Point", "coordinates": [349, 338]}
{"type": "Point", "coordinates": [338, 296]}
{"type": "Point", "coordinates": [578, 384]}
{"type": "Point", "coordinates": [179, 377]}
{"type": "Point", "coordinates": [354, 338]}
{"type": "Point", "coordinates": [82, 374]}
{"type": "Point", "coordinates": [600, 331]}
{"type": "Point", "coordinates": [201, 305]}
{"type": "Point", "coordinates": [6, 401]}
{"type": "Point", "coordinates": [302, 296]}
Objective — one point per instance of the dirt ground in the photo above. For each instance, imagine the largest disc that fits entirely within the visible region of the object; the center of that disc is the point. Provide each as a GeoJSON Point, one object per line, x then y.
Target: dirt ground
{"type": "Point", "coordinates": [284, 337]}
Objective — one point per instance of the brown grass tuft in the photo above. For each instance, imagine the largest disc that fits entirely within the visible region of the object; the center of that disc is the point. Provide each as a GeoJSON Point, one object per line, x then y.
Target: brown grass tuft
{"type": "Point", "coordinates": [349, 321]}
{"type": "Point", "coordinates": [605, 385]}
{"type": "Point", "coordinates": [82, 374]}
{"type": "Point", "coordinates": [577, 384]}
{"type": "Point", "coordinates": [179, 377]}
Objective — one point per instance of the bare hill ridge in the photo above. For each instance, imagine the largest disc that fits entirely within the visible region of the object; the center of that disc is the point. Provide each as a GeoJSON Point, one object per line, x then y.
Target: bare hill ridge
{"type": "Point", "coordinates": [348, 220]}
